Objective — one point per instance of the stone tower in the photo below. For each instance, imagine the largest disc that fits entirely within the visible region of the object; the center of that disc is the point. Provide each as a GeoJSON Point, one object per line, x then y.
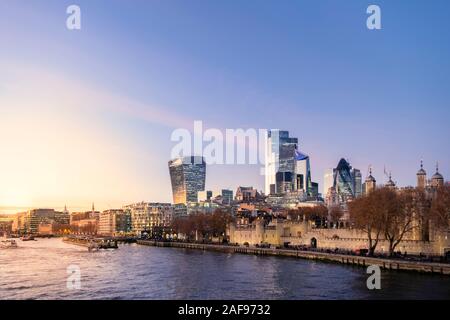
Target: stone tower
{"type": "Point", "coordinates": [437, 180]}
{"type": "Point", "coordinates": [390, 184]}
{"type": "Point", "coordinates": [370, 182]}
{"type": "Point", "coordinates": [421, 177]}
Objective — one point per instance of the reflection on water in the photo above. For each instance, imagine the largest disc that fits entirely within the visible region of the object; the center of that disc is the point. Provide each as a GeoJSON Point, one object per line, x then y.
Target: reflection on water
{"type": "Point", "coordinates": [38, 270]}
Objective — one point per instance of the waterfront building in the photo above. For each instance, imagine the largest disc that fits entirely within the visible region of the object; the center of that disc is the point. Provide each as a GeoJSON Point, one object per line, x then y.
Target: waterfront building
{"type": "Point", "coordinates": [146, 216]}
{"type": "Point", "coordinates": [6, 223]}
{"type": "Point", "coordinates": [85, 222]}
{"type": "Point", "coordinates": [19, 223]}
{"type": "Point", "coordinates": [187, 175]}
{"type": "Point", "coordinates": [29, 221]}
{"type": "Point", "coordinates": [114, 222]}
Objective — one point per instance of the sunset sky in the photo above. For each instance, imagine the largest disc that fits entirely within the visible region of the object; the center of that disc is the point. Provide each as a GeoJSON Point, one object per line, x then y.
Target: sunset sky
{"type": "Point", "coordinates": [86, 116]}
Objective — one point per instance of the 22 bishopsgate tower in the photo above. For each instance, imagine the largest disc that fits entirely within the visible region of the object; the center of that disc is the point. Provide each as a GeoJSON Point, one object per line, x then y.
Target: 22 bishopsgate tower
{"type": "Point", "coordinates": [287, 169]}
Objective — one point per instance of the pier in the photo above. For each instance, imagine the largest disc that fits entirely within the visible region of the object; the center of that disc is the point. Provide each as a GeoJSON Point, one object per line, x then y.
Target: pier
{"type": "Point", "coordinates": [362, 261]}
{"type": "Point", "coordinates": [93, 244]}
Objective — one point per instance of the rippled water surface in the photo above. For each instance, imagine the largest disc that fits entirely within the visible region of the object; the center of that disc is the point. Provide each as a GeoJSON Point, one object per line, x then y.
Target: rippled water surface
{"type": "Point", "coordinates": [38, 270]}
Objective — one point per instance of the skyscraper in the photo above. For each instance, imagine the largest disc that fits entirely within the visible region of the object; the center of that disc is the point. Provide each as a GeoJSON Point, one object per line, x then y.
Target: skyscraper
{"type": "Point", "coordinates": [302, 175]}
{"type": "Point", "coordinates": [357, 182]}
{"type": "Point", "coordinates": [280, 161]}
{"type": "Point", "coordinates": [187, 175]}
{"type": "Point", "coordinates": [344, 180]}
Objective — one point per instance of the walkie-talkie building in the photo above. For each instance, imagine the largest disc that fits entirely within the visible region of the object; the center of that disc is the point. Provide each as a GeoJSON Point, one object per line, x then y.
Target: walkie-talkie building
{"type": "Point", "coordinates": [187, 175]}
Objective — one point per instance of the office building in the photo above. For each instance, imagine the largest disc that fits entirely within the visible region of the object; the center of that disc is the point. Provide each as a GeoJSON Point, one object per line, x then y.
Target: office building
{"type": "Point", "coordinates": [145, 216]}
{"type": "Point", "coordinates": [114, 222]}
{"type": "Point", "coordinates": [187, 175]}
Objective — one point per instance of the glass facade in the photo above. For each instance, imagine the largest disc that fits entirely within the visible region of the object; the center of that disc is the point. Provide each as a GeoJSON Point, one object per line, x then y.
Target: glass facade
{"type": "Point", "coordinates": [347, 182]}
{"type": "Point", "coordinates": [344, 181]}
{"type": "Point", "coordinates": [188, 176]}
{"type": "Point", "coordinates": [227, 196]}
{"type": "Point", "coordinates": [280, 161]}
{"type": "Point", "coordinates": [287, 169]}
{"type": "Point", "coordinates": [357, 182]}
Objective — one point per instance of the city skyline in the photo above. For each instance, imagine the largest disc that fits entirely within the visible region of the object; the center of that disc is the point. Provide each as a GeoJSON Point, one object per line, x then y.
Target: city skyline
{"type": "Point", "coordinates": [87, 115]}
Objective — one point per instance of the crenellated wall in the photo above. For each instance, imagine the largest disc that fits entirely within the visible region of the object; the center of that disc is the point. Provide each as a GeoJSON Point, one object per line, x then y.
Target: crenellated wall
{"type": "Point", "coordinates": [279, 232]}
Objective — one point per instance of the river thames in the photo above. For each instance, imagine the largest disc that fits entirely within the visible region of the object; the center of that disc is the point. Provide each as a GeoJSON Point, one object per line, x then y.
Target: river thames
{"type": "Point", "coordinates": [38, 270]}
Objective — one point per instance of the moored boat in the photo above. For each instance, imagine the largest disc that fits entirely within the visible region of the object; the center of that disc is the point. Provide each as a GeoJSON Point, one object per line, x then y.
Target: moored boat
{"type": "Point", "coordinates": [27, 238]}
{"type": "Point", "coordinates": [8, 244]}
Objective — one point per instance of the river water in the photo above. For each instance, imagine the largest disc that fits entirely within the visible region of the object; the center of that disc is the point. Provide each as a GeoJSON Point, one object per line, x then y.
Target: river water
{"type": "Point", "coordinates": [39, 270]}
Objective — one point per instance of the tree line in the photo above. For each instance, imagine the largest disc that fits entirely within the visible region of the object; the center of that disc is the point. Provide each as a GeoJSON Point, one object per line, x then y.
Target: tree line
{"type": "Point", "coordinates": [392, 214]}
{"type": "Point", "coordinates": [202, 225]}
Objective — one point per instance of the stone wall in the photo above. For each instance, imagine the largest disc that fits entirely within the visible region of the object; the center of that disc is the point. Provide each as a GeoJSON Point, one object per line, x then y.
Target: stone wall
{"type": "Point", "coordinates": [279, 232]}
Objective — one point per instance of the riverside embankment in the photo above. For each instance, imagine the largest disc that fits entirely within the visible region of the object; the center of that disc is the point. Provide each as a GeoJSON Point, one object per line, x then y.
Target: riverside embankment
{"type": "Point", "coordinates": [388, 264]}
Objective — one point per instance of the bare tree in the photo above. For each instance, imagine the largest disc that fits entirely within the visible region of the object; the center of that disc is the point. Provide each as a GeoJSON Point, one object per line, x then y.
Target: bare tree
{"type": "Point", "coordinates": [440, 208]}
{"type": "Point", "coordinates": [366, 216]}
{"type": "Point", "coordinates": [398, 215]}
{"type": "Point", "coordinates": [335, 213]}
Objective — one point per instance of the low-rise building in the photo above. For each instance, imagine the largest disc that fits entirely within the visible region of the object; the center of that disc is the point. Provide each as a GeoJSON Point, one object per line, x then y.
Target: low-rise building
{"type": "Point", "coordinates": [145, 216]}
{"type": "Point", "coordinates": [114, 222]}
{"type": "Point", "coordinates": [85, 222]}
{"type": "Point", "coordinates": [247, 194]}
{"type": "Point", "coordinates": [6, 222]}
{"type": "Point", "coordinates": [28, 222]}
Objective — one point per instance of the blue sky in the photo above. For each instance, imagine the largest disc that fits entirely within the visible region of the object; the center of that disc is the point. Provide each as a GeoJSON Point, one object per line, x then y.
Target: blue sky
{"type": "Point", "coordinates": [311, 67]}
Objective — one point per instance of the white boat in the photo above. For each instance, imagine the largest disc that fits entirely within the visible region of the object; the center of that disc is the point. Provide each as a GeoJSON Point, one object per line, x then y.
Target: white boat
{"type": "Point", "coordinates": [8, 244]}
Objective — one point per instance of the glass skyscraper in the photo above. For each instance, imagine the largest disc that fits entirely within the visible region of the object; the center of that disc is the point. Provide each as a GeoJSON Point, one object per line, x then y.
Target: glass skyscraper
{"type": "Point", "coordinates": [346, 181]}
{"type": "Point", "coordinates": [187, 175]}
{"type": "Point", "coordinates": [357, 182]}
{"type": "Point", "coordinates": [280, 161]}
{"type": "Point", "coordinates": [287, 169]}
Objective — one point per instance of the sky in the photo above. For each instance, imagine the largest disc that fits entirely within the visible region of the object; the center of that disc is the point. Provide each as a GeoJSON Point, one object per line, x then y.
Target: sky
{"type": "Point", "coordinates": [87, 115]}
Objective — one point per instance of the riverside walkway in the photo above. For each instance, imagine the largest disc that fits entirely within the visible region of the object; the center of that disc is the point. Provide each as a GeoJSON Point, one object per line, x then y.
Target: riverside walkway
{"type": "Point", "coordinates": [383, 263]}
